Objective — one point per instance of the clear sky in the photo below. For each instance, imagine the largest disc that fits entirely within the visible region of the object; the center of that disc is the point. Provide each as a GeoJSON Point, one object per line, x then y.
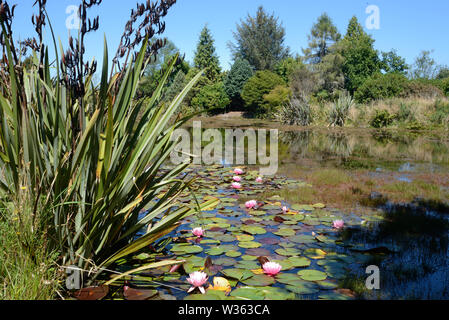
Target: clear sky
{"type": "Point", "coordinates": [409, 26]}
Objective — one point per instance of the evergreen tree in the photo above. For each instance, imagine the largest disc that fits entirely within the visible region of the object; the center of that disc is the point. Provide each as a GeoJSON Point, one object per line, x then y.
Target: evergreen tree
{"type": "Point", "coordinates": [260, 40]}
{"type": "Point", "coordinates": [361, 60]}
{"type": "Point", "coordinates": [322, 36]}
{"type": "Point", "coordinates": [176, 87]}
{"type": "Point", "coordinates": [205, 56]}
{"type": "Point", "coordinates": [239, 74]}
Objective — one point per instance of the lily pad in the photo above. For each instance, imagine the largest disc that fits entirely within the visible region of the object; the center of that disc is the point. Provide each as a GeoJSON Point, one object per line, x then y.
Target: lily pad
{"type": "Point", "coordinates": [299, 262]}
{"type": "Point", "coordinates": [249, 244]}
{"type": "Point", "coordinates": [254, 230]}
{"type": "Point", "coordinates": [312, 275]}
{"type": "Point", "coordinates": [259, 280]}
{"type": "Point", "coordinates": [233, 254]}
{"type": "Point", "coordinates": [238, 274]}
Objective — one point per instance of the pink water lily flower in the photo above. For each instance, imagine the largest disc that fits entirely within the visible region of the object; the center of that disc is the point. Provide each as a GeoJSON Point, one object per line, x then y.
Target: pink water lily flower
{"type": "Point", "coordinates": [251, 204]}
{"type": "Point", "coordinates": [237, 179]}
{"type": "Point", "coordinates": [236, 185]}
{"type": "Point", "coordinates": [259, 180]}
{"type": "Point", "coordinates": [285, 209]}
{"type": "Point", "coordinates": [199, 232]}
{"type": "Point", "coordinates": [338, 224]}
{"type": "Point", "coordinates": [238, 171]}
{"type": "Point", "coordinates": [197, 280]}
{"type": "Point", "coordinates": [271, 268]}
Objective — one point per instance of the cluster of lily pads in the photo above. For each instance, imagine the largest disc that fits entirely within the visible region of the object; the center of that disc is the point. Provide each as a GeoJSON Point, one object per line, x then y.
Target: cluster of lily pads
{"type": "Point", "coordinates": [258, 248]}
{"type": "Point", "coordinates": [249, 247]}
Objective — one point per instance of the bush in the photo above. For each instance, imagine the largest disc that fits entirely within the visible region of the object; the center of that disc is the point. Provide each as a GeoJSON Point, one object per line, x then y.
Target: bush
{"type": "Point", "coordinates": [381, 86]}
{"type": "Point", "coordinates": [382, 119]}
{"type": "Point", "coordinates": [296, 112]}
{"type": "Point", "coordinates": [421, 88]}
{"type": "Point", "coordinates": [211, 96]}
{"type": "Point", "coordinates": [441, 113]}
{"type": "Point", "coordinates": [257, 86]}
{"type": "Point", "coordinates": [340, 110]}
{"type": "Point", "coordinates": [240, 73]}
{"type": "Point", "coordinates": [405, 113]}
{"type": "Point", "coordinates": [277, 98]}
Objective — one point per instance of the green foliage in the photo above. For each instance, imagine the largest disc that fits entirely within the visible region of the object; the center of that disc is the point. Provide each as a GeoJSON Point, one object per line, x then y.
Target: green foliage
{"type": "Point", "coordinates": [303, 81]}
{"type": "Point", "coordinates": [155, 70]}
{"type": "Point", "coordinates": [381, 86]}
{"type": "Point", "coordinates": [98, 181]}
{"type": "Point", "coordinates": [361, 60]}
{"type": "Point", "coordinates": [287, 66]}
{"type": "Point", "coordinates": [392, 63]}
{"type": "Point", "coordinates": [211, 96]}
{"type": "Point", "coordinates": [176, 87]}
{"type": "Point", "coordinates": [205, 56]}
{"type": "Point", "coordinates": [241, 71]}
{"type": "Point", "coordinates": [260, 40]}
{"type": "Point", "coordinates": [424, 67]}
{"type": "Point", "coordinates": [422, 88]}
{"type": "Point", "coordinates": [322, 36]}
{"type": "Point", "coordinates": [382, 119]}
{"type": "Point", "coordinates": [443, 73]}
{"type": "Point", "coordinates": [441, 113]}
{"type": "Point", "coordinates": [405, 113]}
{"type": "Point", "coordinates": [296, 112]}
{"type": "Point", "coordinates": [330, 76]}
{"type": "Point", "coordinates": [277, 98]}
{"type": "Point", "coordinates": [340, 110]}
{"type": "Point", "coordinates": [257, 86]}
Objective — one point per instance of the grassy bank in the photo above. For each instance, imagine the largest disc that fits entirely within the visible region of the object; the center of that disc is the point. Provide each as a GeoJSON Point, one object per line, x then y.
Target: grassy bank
{"type": "Point", "coordinates": [27, 268]}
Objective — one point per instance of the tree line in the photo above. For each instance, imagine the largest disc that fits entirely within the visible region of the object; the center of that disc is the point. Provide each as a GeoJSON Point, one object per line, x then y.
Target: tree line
{"type": "Point", "coordinates": [266, 76]}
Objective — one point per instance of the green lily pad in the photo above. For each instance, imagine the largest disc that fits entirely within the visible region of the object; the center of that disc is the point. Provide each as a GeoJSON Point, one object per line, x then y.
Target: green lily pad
{"type": "Point", "coordinates": [284, 232]}
{"type": "Point", "coordinates": [248, 293]}
{"type": "Point", "coordinates": [215, 251]}
{"type": "Point", "coordinates": [302, 287]}
{"type": "Point", "coordinates": [288, 252]}
{"type": "Point", "coordinates": [299, 262]}
{"type": "Point", "coordinates": [259, 280]}
{"type": "Point", "coordinates": [238, 274]}
{"type": "Point", "coordinates": [233, 254]}
{"type": "Point", "coordinates": [312, 275]}
{"type": "Point", "coordinates": [253, 230]}
{"type": "Point", "coordinates": [249, 244]}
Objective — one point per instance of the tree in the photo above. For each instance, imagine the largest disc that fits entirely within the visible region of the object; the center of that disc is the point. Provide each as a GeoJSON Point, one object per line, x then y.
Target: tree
{"type": "Point", "coordinates": [212, 96]}
{"type": "Point", "coordinates": [330, 75]}
{"type": "Point", "coordinates": [443, 73]}
{"type": "Point", "coordinates": [155, 70]}
{"type": "Point", "coordinates": [262, 83]}
{"type": "Point", "coordinates": [205, 56]}
{"type": "Point", "coordinates": [424, 67]}
{"type": "Point", "coordinates": [322, 36]}
{"type": "Point", "coordinates": [239, 74]}
{"type": "Point", "coordinates": [286, 67]}
{"type": "Point", "coordinates": [393, 63]}
{"type": "Point", "coordinates": [260, 40]}
{"type": "Point", "coordinates": [176, 87]}
{"type": "Point", "coordinates": [361, 60]}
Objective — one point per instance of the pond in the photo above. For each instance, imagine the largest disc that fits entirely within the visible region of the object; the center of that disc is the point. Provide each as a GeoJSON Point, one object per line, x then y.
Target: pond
{"type": "Point", "coordinates": [389, 188]}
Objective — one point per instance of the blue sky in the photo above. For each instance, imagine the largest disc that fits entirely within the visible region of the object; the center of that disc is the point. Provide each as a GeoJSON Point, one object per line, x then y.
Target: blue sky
{"type": "Point", "coordinates": [408, 26]}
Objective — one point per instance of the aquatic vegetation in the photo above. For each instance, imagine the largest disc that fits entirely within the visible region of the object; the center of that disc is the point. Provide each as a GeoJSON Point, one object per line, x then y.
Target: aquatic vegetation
{"type": "Point", "coordinates": [198, 280]}
{"type": "Point", "coordinates": [338, 224]}
{"type": "Point", "coordinates": [251, 204]}
{"type": "Point", "coordinates": [271, 268]}
{"type": "Point", "coordinates": [236, 185]}
{"type": "Point", "coordinates": [198, 232]}
{"type": "Point", "coordinates": [259, 180]}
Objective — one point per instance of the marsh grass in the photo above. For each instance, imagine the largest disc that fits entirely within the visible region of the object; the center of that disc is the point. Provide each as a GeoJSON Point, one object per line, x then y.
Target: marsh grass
{"type": "Point", "coordinates": [27, 268]}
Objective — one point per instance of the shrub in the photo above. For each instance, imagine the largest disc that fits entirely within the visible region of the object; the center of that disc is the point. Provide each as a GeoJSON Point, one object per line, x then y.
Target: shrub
{"type": "Point", "coordinates": [421, 89]}
{"type": "Point", "coordinates": [277, 98]}
{"type": "Point", "coordinates": [240, 73]}
{"type": "Point", "coordinates": [441, 113]}
{"type": "Point", "coordinates": [405, 113]}
{"type": "Point", "coordinates": [257, 86]}
{"type": "Point", "coordinates": [381, 86]}
{"type": "Point", "coordinates": [296, 112]}
{"type": "Point", "coordinates": [211, 97]}
{"type": "Point", "coordinates": [382, 119]}
{"type": "Point", "coordinates": [340, 110]}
